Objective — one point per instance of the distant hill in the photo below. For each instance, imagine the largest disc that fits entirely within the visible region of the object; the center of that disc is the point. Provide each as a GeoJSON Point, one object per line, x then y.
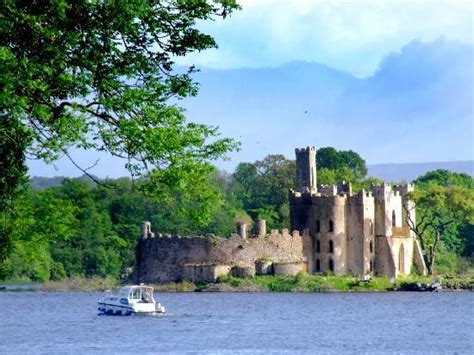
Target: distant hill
{"type": "Point", "coordinates": [41, 182]}
{"type": "Point", "coordinates": [410, 171]}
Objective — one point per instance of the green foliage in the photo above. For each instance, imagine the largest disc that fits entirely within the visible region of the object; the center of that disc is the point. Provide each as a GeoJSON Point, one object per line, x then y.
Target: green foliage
{"type": "Point", "coordinates": [446, 178]}
{"type": "Point", "coordinates": [14, 139]}
{"type": "Point", "coordinates": [345, 165]}
{"type": "Point", "coordinates": [231, 280]}
{"type": "Point", "coordinates": [99, 75]}
{"type": "Point", "coordinates": [445, 216]}
{"type": "Point", "coordinates": [262, 188]}
{"type": "Point", "coordinates": [304, 282]}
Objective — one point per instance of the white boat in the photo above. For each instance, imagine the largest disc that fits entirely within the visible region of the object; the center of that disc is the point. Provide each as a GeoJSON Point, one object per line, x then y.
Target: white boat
{"type": "Point", "coordinates": [130, 300]}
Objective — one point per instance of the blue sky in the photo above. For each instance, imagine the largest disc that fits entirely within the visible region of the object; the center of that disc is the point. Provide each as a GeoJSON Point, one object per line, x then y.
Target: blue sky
{"type": "Point", "coordinates": [352, 36]}
{"type": "Point", "coordinates": [407, 96]}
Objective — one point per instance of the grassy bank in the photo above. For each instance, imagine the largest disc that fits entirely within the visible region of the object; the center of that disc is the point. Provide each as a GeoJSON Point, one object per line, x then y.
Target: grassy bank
{"type": "Point", "coordinates": [300, 283]}
{"type": "Point", "coordinates": [314, 283]}
{"type": "Point", "coordinates": [79, 284]}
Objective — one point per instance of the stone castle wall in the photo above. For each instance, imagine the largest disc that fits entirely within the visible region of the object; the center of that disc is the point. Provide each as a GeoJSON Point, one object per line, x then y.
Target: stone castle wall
{"type": "Point", "coordinates": [167, 259]}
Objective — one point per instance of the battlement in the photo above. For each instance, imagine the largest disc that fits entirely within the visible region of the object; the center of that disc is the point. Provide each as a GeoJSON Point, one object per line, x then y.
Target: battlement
{"type": "Point", "coordinates": [403, 189]}
{"type": "Point", "coordinates": [363, 197]}
{"type": "Point", "coordinates": [242, 229]}
{"type": "Point", "coordinates": [305, 150]}
{"type": "Point", "coordinates": [385, 191]}
{"type": "Point", "coordinates": [381, 191]}
{"type": "Point", "coordinates": [328, 190]}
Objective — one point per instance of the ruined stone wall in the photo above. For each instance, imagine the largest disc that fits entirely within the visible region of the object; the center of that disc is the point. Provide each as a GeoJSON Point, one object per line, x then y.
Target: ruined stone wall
{"type": "Point", "coordinates": [171, 259]}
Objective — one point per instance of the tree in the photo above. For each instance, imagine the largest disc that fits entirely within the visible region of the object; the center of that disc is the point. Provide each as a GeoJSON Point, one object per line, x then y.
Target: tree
{"type": "Point", "coordinates": [445, 177]}
{"type": "Point", "coordinates": [339, 162]}
{"type": "Point", "coordinates": [439, 211]}
{"type": "Point", "coordinates": [99, 75]}
{"type": "Point", "coordinates": [263, 188]}
{"type": "Point", "coordinates": [457, 238]}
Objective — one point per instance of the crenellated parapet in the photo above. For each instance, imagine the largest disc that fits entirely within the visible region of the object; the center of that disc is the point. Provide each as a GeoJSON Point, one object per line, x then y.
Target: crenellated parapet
{"type": "Point", "coordinates": [404, 189]}
{"type": "Point", "coordinates": [176, 258]}
{"type": "Point", "coordinates": [363, 197]}
{"type": "Point", "coordinates": [381, 192]}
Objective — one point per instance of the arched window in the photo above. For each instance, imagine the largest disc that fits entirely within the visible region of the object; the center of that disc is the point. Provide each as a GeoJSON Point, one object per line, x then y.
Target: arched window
{"type": "Point", "coordinates": [318, 246]}
{"type": "Point", "coordinates": [371, 247]}
{"type": "Point", "coordinates": [331, 246]}
{"type": "Point", "coordinates": [318, 226]}
{"type": "Point", "coordinates": [331, 265]}
{"type": "Point", "coordinates": [371, 265]}
{"type": "Point", "coordinates": [318, 265]}
{"type": "Point", "coordinates": [331, 226]}
{"type": "Point", "coordinates": [394, 219]}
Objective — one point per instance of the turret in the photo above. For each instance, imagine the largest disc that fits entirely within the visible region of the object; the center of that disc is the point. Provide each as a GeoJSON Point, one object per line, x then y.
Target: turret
{"type": "Point", "coordinates": [306, 169]}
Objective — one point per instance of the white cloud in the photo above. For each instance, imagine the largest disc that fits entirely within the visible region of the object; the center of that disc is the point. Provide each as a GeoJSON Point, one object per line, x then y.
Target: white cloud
{"type": "Point", "coordinates": [349, 35]}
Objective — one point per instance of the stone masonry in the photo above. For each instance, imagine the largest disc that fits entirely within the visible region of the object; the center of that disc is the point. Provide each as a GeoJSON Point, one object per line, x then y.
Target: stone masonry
{"type": "Point", "coordinates": [334, 229]}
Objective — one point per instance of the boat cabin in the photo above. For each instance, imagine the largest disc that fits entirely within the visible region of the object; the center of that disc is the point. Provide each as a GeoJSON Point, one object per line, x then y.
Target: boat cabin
{"type": "Point", "coordinates": [143, 294]}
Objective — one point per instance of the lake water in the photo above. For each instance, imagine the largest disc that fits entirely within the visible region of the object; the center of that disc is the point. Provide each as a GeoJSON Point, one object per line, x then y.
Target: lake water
{"type": "Point", "coordinates": [229, 323]}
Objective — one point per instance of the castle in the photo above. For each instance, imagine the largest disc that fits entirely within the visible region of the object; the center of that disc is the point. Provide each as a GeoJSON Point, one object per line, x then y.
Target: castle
{"type": "Point", "coordinates": [358, 233]}
{"type": "Point", "coordinates": [333, 229]}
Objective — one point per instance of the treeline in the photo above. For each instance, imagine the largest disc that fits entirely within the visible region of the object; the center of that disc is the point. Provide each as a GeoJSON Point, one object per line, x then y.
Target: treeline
{"type": "Point", "coordinates": [81, 228]}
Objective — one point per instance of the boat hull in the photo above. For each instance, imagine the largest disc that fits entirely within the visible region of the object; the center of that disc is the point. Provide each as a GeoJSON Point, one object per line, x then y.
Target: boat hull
{"type": "Point", "coordinates": [124, 310]}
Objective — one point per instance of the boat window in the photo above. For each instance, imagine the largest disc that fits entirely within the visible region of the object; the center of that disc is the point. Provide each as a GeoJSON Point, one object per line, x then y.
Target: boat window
{"type": "Point", "coordinates": [136, 294]}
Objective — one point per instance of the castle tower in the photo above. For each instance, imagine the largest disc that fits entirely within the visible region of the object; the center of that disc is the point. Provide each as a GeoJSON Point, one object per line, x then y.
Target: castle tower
{"type": "Point", "coordinates": [306, 169]}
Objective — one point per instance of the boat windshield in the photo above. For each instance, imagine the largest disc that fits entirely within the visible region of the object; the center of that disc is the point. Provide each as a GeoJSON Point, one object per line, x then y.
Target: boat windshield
{"type": "Point", "coordinates": [144, 294]}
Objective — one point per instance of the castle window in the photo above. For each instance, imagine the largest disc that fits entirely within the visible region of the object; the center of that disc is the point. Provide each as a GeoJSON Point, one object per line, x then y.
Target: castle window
{"type": "Point", "coordinates": [371, 247]}
{"type": "Point", "coordinates": [394, 219]}
{"type": "Point", "coordinates": [371, 265]}
{"type": "Point", "coordinates": [331, 225]}
{"type": "Point", "coordinates": [318, 226]}
{"type": "Point", "coordinates": [318, 246]}
{"type": "Point", "coordinates": [331, 265]}
{"type": "Point", "coordinates": [331, 246]}
{"type": "Point", "coordinates": [318, 265]}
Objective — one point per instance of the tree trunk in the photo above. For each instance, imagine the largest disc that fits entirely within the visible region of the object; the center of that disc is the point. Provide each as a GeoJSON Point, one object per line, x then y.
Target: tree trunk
{"type": "Point", "coordinates": [433, 253]}
{"type": "Point", "coordinates": [431, 258]}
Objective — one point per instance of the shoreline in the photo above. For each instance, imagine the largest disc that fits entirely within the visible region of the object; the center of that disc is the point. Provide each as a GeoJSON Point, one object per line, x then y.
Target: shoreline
{"type": "Point", "coordinates": [298, 283]}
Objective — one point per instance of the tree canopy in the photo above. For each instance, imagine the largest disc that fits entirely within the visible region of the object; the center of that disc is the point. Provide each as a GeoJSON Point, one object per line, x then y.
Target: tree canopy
{"type": "Point", "coordinates": [99, 75]}
{"type": "Point", "coordinates": [335, 166]}
{"type": "Point", "coordinates": [262, 188]}
{"type": "Point", "coordinates": [444, 204]}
